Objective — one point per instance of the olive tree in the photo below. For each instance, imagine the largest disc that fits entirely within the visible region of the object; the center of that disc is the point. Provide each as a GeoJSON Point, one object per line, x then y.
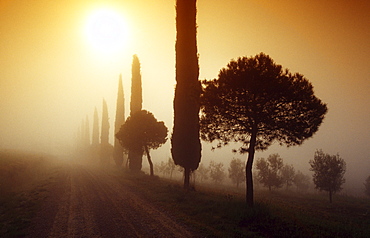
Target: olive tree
{"type": "Point", "coordinates": [328, 172]}
{"type": "Point", "coordinates": [269, 171]}
{"type": "Point", "coordinates": [287, 175]}
{"type": "Point", "coordinates": [237, 171]}
{"type": "Point", "coordinates": [216, 172]}
{"type": "Point", "coordinates": [255, 102]}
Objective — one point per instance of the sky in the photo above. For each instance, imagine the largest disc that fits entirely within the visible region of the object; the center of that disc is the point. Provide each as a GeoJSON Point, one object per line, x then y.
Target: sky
{"type": "Point", "coordinates": [52, 76]}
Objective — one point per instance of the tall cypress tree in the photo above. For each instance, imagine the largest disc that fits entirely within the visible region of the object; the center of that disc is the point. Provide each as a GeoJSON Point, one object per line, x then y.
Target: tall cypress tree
{"type": "Point", "coordinates": [135, 157]}
{"type": "Point", "coordinates": [136, 90]}
{"type": "Point", "coordinates": [95, 132]}
{"type": "Point", "coordinates": [104, 138]}
{"type": "Point", "coordinates": [186, 147]}
{"type": "Point", "coordinates": [120, 120]}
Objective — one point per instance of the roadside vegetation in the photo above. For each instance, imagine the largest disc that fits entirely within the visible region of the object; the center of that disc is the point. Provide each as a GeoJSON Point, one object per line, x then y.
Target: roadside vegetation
{"type": "Point", "coordinates": [221, 211]}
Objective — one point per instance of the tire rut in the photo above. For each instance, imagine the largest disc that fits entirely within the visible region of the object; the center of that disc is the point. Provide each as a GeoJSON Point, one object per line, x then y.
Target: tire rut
{"type": "Point", "coordinates": [93, 203]}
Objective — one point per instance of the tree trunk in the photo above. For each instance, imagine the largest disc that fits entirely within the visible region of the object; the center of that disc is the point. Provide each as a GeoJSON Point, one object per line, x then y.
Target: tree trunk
{"type": "Point", "coordinates": [248, 168]}
{"type": "Point", "coordinates": [330, 196]}
{"type": "Point", "coordinates": [149, 161]}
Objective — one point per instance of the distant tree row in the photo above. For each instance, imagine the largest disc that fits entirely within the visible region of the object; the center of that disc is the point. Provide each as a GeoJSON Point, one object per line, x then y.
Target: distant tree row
{"type": "Point", "coordinates": [99, 150]}
{"type": "Point", "coordinates": [272, 172]}
{"type": "Point", "coordinates": [134, 136]}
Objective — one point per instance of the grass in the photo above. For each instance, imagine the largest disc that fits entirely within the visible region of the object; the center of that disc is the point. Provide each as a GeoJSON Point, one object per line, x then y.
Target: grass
{"type": "Point", "coordinates": [221, 213]}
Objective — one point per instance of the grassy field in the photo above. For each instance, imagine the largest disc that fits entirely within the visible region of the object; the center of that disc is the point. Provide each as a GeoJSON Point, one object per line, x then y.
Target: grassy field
{"type": "Point", "coordinates": [222, 213]}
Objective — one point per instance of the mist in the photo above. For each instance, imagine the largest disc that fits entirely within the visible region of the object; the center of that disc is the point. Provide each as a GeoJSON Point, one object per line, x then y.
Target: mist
{"type": "Point", "coordinates": [51, 79]}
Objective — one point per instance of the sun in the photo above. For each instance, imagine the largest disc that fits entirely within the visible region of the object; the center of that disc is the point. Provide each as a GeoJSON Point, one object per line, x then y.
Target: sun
{"type": "Point", "coordinates": [107, 31]}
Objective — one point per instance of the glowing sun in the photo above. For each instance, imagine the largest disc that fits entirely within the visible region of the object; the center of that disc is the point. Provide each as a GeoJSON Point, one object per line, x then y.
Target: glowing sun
{"type": "Point", "coordinates": [107, 31]}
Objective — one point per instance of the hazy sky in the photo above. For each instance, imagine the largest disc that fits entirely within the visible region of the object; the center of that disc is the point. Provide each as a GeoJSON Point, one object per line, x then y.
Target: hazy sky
{"type": "Point", "coordinates": [51, 77]}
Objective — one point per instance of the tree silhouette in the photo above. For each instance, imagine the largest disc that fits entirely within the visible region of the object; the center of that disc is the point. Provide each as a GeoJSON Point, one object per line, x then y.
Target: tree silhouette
{"type": "Point", "coordinates": [135, 157]}
{"type": "Point", "coordinates": [328, 172]}
{"type": "Point", "coordinates": [237, 171]}
{"type": "Point", "coordinates": [142, 132]}
{"type": "Point", "coordinates": [255, 102]}
{"type": "Point", "coordinates": [120, 119]}
{"type": "Point", "coordinates": [269, 171]}
{"type": "Point", "coordinates": [287, 175]}
{"type": "Point", "coordinates": [95, 132]}
{"type": "Point", "coordinates": [104, 138]}
{"type": "Point", "coordinates": [186, 147]}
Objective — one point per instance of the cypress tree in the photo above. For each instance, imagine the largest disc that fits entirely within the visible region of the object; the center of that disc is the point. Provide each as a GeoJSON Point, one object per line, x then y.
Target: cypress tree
{"type": "Point", "coordinates": [95, 145]}
{"type": "Point", "coordinates": [186, 147]}
{"type": "Point", "coordinates": [104, 138]}
{"type": "Point", "coordinates": [136, 90]}
{"type": "Point", "coordinates": [135, 157]}
{"type": "Point", "coordinates": [95, 132]}
{"type": "Point", "coordinates": [120, 120]}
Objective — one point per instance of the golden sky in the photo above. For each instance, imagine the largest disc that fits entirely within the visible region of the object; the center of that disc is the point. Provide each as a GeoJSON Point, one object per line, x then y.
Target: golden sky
{"type": "Point", "coordinates": [51, 77]}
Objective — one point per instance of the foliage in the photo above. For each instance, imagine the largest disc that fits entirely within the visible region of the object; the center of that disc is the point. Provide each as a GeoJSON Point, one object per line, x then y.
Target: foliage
{"type": "Point", "coordinates": [367, 186]}
{"type": "Point", "coordinates": [216, 172]}
{"type": "Point", "coordinates": [301, 181]}
{"type": "Point", "coordinates": [269, 171]}
{"type": "Point", "coordinates": [287, 175]}
{"type": "Point", "coordinates": [167, 168]}
{"type": "Point", "coordinates": [142, 132]}
{"type": "Point", "coordinates": [328, 172]}
{"type": "Point", "coordinates": [237, 171]}
{"type": "Point", "coordinates": [255, 102]}
{"type": "Point", "coordinates": [120, 119]}
{"type": "Point", "coordinates": [202, 172]}
{"type": "Point", "coordinates": [185, 141]}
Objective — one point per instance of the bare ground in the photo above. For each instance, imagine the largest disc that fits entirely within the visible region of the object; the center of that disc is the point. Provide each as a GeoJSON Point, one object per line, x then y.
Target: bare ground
{"type": "Point", "coordinates": [87, 202]}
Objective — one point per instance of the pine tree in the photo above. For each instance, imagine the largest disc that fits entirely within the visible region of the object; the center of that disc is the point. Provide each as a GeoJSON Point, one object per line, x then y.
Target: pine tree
{"type": "Point", "coordinates": [104, 138]}
{"type": "Point", "coordinates": [135, 157]}
{"type": "Point", "coordinates": [256, 102]}
{"type": "Point", "coordinates": [120, 120]}
{"type": "Point", "coordinates": [186, 147]}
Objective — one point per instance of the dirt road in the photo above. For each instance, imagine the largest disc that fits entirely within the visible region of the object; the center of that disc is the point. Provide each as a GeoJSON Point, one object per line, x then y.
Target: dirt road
{"type": "Point", "coordinates": [87, 202]}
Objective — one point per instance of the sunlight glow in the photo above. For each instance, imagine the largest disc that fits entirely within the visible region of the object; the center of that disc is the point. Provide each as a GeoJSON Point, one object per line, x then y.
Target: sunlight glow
{"type": "Point", "coordinates": [107, 31]}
